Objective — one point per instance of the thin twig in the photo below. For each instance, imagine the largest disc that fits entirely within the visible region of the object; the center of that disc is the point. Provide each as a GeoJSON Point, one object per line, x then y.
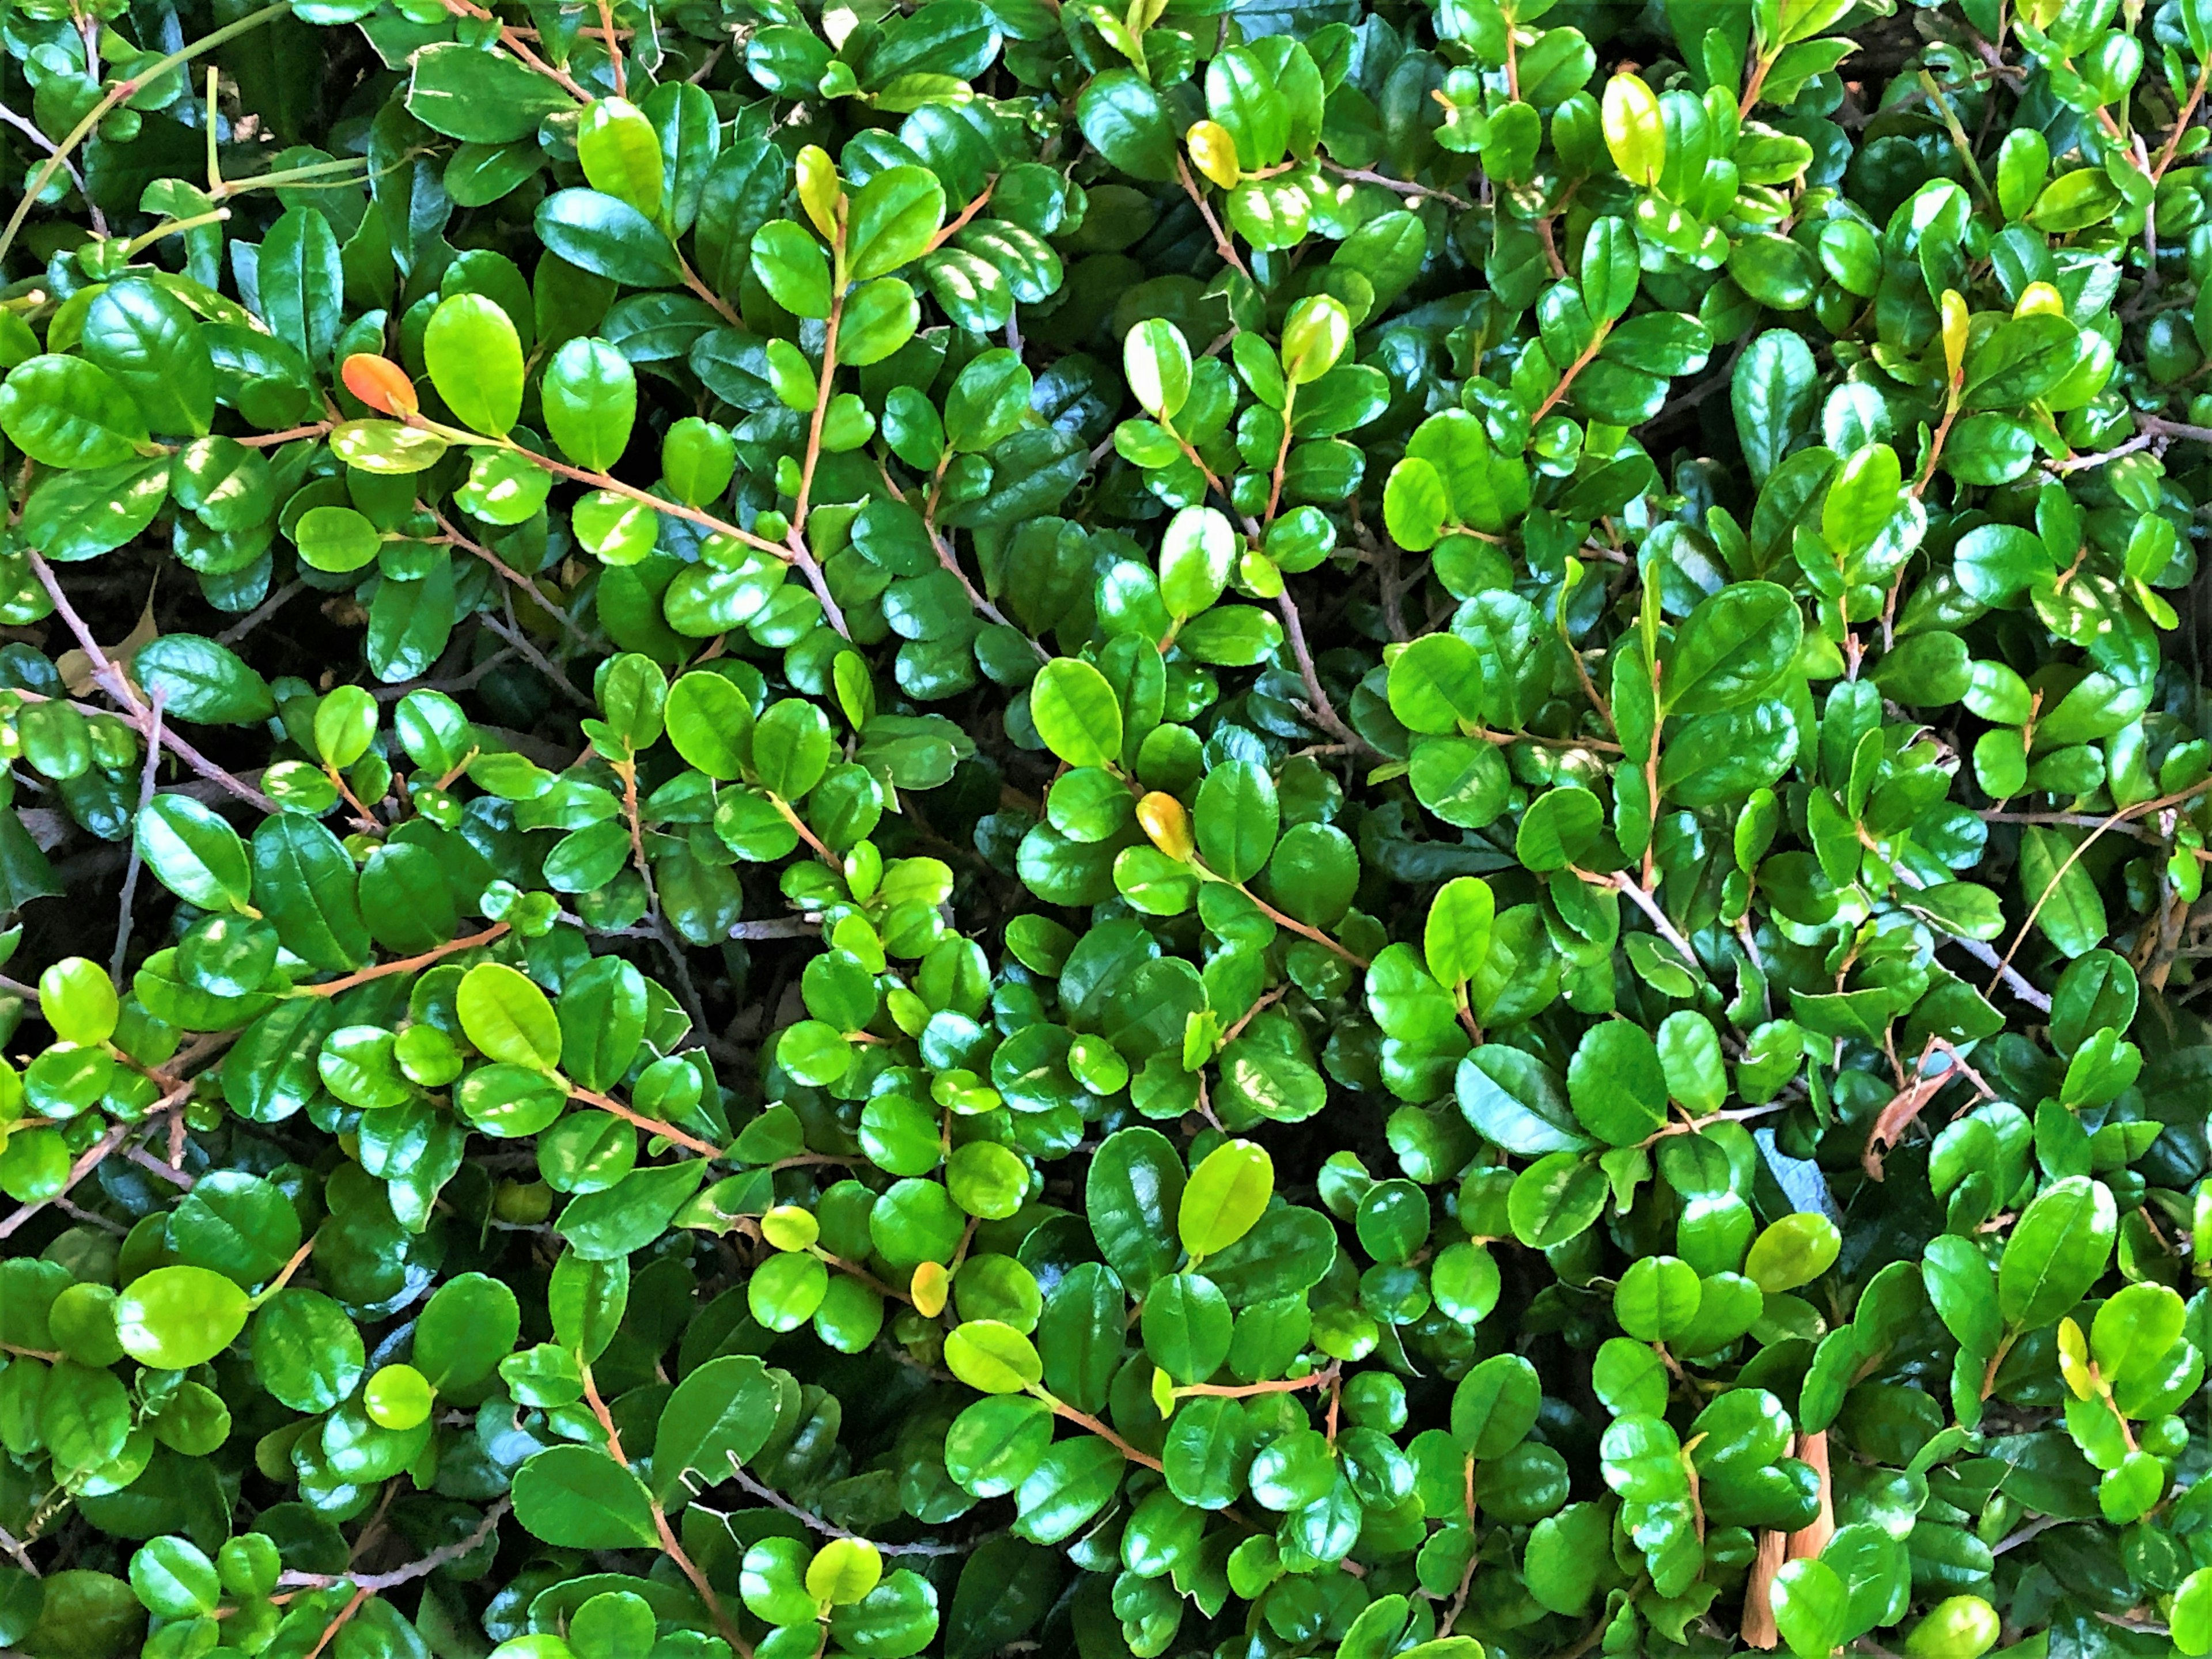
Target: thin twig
{"type": "Point", "coordinates": [408, 964]}
{"type": "Point", "coordinates": [442, 1556]}
{"type": "Point", "coordinates": [1322, 710]}
{"type": "Point", "coordinates": [118, 685]}
{"type": "Point", "coordinates": [537, 659]}
{"type": "Point", "coordinates": [1403, 187]}
{"type": "Point", "coordinates": [86, 1161]}
{"type": "Point", "coordinates": [131, 865]}
{"type": "Point", "coordinates": [260, 613]}
{"type": "Point", "coordinates": [770, 1495]}
{"type": "Point", "coordinates": [650, 1124]}
{"type": "Point", "coordinates": [508, 573]}
{"type": "Point", "coordinates": [1222, 245]}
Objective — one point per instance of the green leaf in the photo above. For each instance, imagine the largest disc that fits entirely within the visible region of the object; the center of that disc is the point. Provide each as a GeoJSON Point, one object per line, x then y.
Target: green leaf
{"type": "Point", "coordinates": [1732, 649]}
{"type": "Point", "coordinates": [478, 94]}
{"type": "Point", "coordinates": [305, 885]}
{"type": "Point", "coordinates": [1132, 1198]}
{"type": "Point", "coordinates": [174, 1318]}
{"type": "Point", "coordinates": [2063, 896]}
{"type": "Point", "coordinates": [193, 853]}
{"type": "Point", "coordinates": [1616, 1084]}
{"type": "Point", "coordinates": [725, 1409]}
{"type": "Point", "coordinates": [579, 1498]}
{"type": "Point", "coordinates": [2058, 1251]}
{"type": "Point", "coordinates": [1126, 122]}
{"type": "Point", "coordinates": [792, 268]}
{"type": "Point", "coordinates": [1495, 1405]}
{"type": "Point", "coordinates": [1236, 821]}
{"type": "Point", "coordinates": [709, 722]}
{"type": "Point", "coordinates": [607, 237]}
{"type": "Point", "coordinates": [620, 154]}
{"type": "Point", "coordinates": [153, 346]}
{"type": "Point", "coordinates": [1455, 940]}
{"type": "Point", "coordinates": [1513, 1099]}
{"type": "Point", "coordinates": [1076, 713]}
{"type": "Point", "coordinates": [66, 411]}
{"type": "Point", "coordinates": [475, 358]}
{"type": "Point", "coordinates": [199, 679]}
{"type": "Point", "coordinates": [508, 1018]}
{"type": "Point", "coordinates": [301, 278]}
{"type": "Point", "coordinates": [590, 394]}
{"type": "Point", "coordinates": [1155, 360]}
{"type": "Point", "coordinates": [1224, 1197]}
{"type": "Point", "coordinates": [1793, 1252]}
{"type": "Point", "coordinates": [1635, 132]}
{"type": "Point", "coordinates": [992, 1357]}
{"type": "Point", "coordinates": [893, 221]}
{"type": "Point", "coordinates": [2192, 1615]}
{"type": "Point", "coordinates": [1809, 1607]}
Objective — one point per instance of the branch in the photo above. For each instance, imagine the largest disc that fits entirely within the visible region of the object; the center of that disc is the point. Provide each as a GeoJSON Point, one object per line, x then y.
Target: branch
{"type": "Point", "coordinates": [1222, 245]}
{"type": "Point", "coordinates": [132, 864]}
{"type": "Point", "coordinates": [116, 95]}
{"type": "Point", "coordinates": [443, 1555]}
{"type": "Point", "coordinates": [768, 1494]}
{"type": "Point", "coordinates": [407, 964]}
{"type": "Point", "coordinates": [86, 1161]}
{"type": "Point", "coordinates": [1401, 186]}
{"type": "Point", "coordinates": [1322, 710]}
{"type": "Point", "coordinates": [650, 1124]}
{"type": "Point", "coordinates": [111, 680]}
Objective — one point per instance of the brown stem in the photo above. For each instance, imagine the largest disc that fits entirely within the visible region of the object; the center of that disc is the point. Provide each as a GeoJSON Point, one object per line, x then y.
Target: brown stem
{"type": "Point", "coordinates": [406, 965]}
{"type": "Point", "coordinates": [1250, 1014]}
{"type": "Point", "coordinates": [1644, 902]}
{"type": "Point", "coordinates": [1807, 1542]}
{"type": "Point", "coordinates": [1399, 185]}
{"type": "Point", "coordinates": [146, 779]}
{"type": "Point", "coordinates": [1221, 242]}
{"type": "Point", "coordinates": [1084, 1419]}
{"type": "Point", "coordinates": [855, 1271]}
{"type": "Point", "coordinates": [338, 1624]}
{"type": "Point", "coordinates": [111, 680]}
{"type": "Point", "coordinates": [1241, 1391]}
{"type": "Point", "coordinates": [2126, 815]}
{"type": "Point", "coordinates": [652, 1125]}
{"type": "Point", "coordinates": [768, 1494]}
{"type": "Point", "coordinates": [560, 77]}
{"type": "Point", "coordinates": [1567, 379]}
{"type": "Point", "coordinates": [1282, 453]}
{"type": "Point", "coordinates": [1297, 927]}
{"type": "Point", "coordinates": [268, 440]}
{"type": "Point", "coordinates": [116, 95]}
{"type": "Point", "coordinates": [983, 606]}
{"type": "Point", "coordinates": [284, 1276]}
{"type": "Point", "coordinates": [86, 1161]}
{"type": "Point", "coordinates": [948, 232]}
{"type": "Point", "coordinates": [2181, 122]}
{"type": "Point", "coordinates": [1696, 1125]}
{"type": "Point", "coordinates": [614, 50]}
{"type": "Point", "coordinates": [1936, 451]}
{"type": "Point", "coordinates": [670, 1546]}
{"type": "Point", "coordinates": [1751, 91]}
{"type": "Point", "coordinates": [506, 572]}
{"type": "Point", "coordinates": [822, 392]}
{"type": "Point", "coordinates": [1323, 711]}
{"type": "Point", "coordinates": [1758, 1629]}
{"type": "Point", "coordinates": [722, 307]}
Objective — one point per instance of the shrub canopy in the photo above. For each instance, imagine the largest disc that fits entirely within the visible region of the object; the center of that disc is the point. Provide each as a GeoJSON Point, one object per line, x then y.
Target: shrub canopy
{"type": "Point", "coordinates": [1242, 831]}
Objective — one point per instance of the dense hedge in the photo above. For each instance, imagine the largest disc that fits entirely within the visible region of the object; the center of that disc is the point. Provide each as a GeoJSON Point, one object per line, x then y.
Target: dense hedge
{"type": "Point", "coordinates": [1245, 831]}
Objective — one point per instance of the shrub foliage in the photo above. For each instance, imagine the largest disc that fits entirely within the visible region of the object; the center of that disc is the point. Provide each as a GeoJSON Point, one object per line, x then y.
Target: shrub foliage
{"type": "Point", "coordinates": [1258, 830]}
